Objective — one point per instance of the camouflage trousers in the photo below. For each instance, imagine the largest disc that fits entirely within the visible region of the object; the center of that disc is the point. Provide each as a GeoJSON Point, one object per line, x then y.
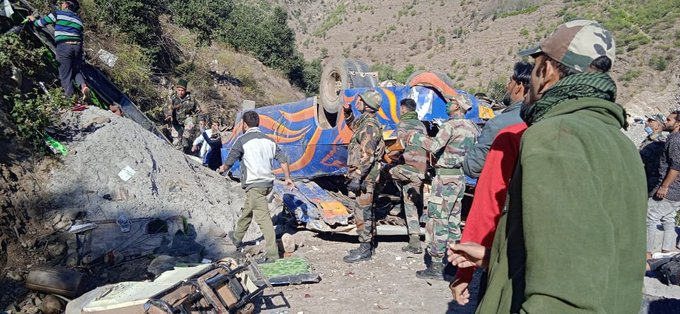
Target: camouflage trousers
{"type": "Point", "coordinates": [444, 209]}
{"type": "Point", "coordinates": [183, 134]}
{"type": "Point", "coordinates": [411, 184]}
{"type": "Point", "coordinates": [364, 217]}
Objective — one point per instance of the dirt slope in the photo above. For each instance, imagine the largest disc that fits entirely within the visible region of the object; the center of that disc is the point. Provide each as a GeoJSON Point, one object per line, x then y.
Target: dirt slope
{"type": "Point", "coordinates": [475, 41]}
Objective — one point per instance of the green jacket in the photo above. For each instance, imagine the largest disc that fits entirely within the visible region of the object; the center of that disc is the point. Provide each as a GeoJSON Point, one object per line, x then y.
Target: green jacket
{"type": "Point", "coordinates": [573, 236]}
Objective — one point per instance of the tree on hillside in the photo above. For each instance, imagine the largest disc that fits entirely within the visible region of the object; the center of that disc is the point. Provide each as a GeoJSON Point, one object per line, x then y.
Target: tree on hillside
{"type": "Point", "coordinates": [205, 17]}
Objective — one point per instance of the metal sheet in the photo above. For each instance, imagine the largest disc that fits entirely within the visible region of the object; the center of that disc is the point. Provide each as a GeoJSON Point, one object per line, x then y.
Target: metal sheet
{"type": "Point", "coordinates": [310, 202]}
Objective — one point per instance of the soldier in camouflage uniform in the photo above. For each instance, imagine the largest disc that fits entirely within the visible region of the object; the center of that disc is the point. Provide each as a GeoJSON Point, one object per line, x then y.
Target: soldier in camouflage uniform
{"type": "Point", "coordinates": [181, 112]}
{"type": "Point", "coordinates": [411, 172]}
{"type": "Point", "coordinates": [455, 137]}
{"type": "Point", "coordinates": [364, 152]}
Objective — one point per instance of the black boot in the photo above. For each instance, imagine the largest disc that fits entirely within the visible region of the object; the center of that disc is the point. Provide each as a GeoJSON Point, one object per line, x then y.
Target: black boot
{"type": "Point", "coordinates": [433, 271]}
{"type": "Point", "coordinates": [363, 253]}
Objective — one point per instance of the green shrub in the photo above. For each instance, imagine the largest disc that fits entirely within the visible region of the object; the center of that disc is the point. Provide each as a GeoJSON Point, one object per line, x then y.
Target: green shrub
{"type": "Point", "coordinates": [527, 10]}
{"type": "Point", "coordinates": [16, 52]}
{"type": "Point", "coordinates": [387, 72]}
{"type": "Point", "coordinates": [631, 75]}
{"type": "Point", "coordinates": [34, 112]}
{"type": "Point", "coordinates": [138, 19]}
{"type": "Point", "coordinates": [205, 17]}
{"type": "Point", "coordinates": [334, 18]}
{"type": "Point", "coordinates": [524, 32]}
{"type": "Point", "coordinates": [658, 63]}
{"type": "Point", "coordinates": [496, 88]}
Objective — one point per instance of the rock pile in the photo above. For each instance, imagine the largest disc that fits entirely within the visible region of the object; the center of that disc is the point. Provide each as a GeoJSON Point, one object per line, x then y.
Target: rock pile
{"type": "Point", "coordinates": [115, 167]}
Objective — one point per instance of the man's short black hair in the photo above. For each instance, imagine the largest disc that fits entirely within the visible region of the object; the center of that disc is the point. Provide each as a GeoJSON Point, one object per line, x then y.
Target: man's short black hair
{"type": "Point", "coordinates": [408, 103]}
{"type": "Point", "coordinates": [677, 114]}
{"type": "Point", "coordinates": [521, 73]}
{"type": "Point", "coordinates": [73, 5]}
{"type": "Point", "coordinates": [251, 118]}
{"type": "Point", "coordinates": [602, 64]}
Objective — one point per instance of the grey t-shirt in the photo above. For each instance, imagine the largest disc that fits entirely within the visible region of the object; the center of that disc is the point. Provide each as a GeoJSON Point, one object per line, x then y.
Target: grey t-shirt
{"type": "Point", "coordinates": [670, 159]}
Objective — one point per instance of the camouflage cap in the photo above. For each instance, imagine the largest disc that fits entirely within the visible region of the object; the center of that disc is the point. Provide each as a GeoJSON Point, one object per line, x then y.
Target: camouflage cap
{"type": "Point", "coordinates": [657, 117]}
{"type": "Point", "coordinates": [372, 98]}
{"type": "Point", "coordinates": [576, 44]}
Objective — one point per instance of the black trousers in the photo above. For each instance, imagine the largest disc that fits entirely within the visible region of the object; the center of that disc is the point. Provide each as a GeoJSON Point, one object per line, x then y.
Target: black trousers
{"type": "Point", "coordinates": [70, 58]}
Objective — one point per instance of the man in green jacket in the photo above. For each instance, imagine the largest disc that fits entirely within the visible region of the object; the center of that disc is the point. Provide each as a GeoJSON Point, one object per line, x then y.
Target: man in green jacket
{"type": "Point", "coordinates": [573, 236]}
{"type": "Point", "coordinates": [410, 173]}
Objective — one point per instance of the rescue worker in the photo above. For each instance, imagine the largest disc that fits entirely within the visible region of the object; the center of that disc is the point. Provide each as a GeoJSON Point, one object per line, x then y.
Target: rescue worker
{"type": "Point", "coordinates": [181, 114]}
{"type": "Point", "coordinates": [364, 152]}
{"type": "Point", "coordinates": [455, 137]}
{"type": "Point", "coordinates": [411, 172]}
{"type": "Point", "coordinates": [256, 153]}
{"type": "Point", "coordinates": [68, 37]}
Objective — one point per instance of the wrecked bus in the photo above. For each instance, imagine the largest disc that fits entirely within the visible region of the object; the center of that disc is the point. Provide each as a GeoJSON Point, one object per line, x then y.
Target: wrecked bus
{"type": "Point", "coordinates": [313, 133]}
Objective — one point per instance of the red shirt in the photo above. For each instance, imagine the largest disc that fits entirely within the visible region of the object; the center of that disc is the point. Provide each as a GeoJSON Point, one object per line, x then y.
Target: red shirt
{"type": "Point", "coordinates": [491, 190]}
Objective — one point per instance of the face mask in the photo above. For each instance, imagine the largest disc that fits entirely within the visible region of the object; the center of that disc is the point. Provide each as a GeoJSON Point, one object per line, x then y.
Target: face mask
{"type": "Point", "coordinates": [649, 130]}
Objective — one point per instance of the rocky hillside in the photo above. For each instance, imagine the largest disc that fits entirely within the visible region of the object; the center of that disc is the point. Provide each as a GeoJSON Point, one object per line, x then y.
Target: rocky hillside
{"type": "Point", "coordinates": [476, 41]}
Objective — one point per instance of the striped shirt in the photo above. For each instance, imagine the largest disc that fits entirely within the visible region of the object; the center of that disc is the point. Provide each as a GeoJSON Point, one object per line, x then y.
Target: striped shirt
{"type": "Point", "coordinates": [67, 25]}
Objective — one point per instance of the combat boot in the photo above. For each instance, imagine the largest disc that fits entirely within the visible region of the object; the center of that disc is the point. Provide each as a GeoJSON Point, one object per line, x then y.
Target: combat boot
{"type": "Point", "coordinates": [363, 253]}
{"type": "Point", "coordinates": [434, 271]}
{"type": "Point", "coordinates": [413, 245]}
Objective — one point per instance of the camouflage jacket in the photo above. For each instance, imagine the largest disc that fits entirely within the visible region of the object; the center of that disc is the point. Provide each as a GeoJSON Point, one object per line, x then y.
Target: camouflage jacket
{"type": "Point", "coordinates": [413, 155]}
{"type": "Point", "coordinates": [455, 137]}
{"type": "Point", "coordinates": [181, 108]}
{"type": "Point", "coordinates": [350, 120]}
{"type": "Point", "coordinates": [365, 149]}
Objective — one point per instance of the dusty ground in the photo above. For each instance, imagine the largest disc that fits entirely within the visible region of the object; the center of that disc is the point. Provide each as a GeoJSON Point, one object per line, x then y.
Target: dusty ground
{"type": "Point", "coordinates": [385, 284]}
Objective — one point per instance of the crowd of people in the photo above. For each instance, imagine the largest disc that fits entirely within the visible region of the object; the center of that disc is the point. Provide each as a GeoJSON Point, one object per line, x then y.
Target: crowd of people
{"type": "Point", "coordinates": [557, 222]}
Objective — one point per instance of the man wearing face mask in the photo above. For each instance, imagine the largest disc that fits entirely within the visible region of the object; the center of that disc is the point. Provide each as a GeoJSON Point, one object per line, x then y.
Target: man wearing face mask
{"type": "Point", "coordinates": [572, 238]}
{"type": "Point", "coordinates": [652, 147]}
{"type": "Point", "coordinates": [515, 90]}
{"type": "Point", "coordinates": [364, 152]}
{"type": "Point", "coordinates": [410, 173]}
